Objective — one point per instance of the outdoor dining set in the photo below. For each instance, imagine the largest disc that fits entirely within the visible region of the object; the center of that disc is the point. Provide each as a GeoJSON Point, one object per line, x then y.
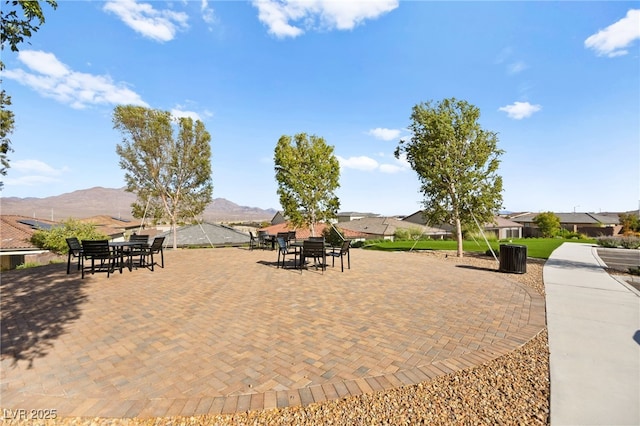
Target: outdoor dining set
{"type": "Point", "coordinates": [312, 248]}
{"type": "Point", "coordinates": [107, 256]}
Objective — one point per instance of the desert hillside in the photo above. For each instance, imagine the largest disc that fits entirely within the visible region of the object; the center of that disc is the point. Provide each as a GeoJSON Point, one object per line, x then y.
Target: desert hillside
{"type": "Point", "coordinates": [116, 203]}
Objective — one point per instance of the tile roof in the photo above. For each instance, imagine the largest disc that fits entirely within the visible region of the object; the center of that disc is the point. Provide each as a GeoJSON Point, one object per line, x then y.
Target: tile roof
{"type": "Point", "coordinates": [386, 226]}
{"type": "Point", "coordinates": [15, 232]}
{"type": "Point", "coordinates": [573, 218]}
{"type": "Point", "coordinates": [111, 222]}
{"type": "Point", "coordinates": [303, 233]}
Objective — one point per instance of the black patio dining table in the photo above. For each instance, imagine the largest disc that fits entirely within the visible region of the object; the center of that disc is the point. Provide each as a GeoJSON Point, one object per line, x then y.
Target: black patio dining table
{"type": "Point", "coordinates": [126, 247]}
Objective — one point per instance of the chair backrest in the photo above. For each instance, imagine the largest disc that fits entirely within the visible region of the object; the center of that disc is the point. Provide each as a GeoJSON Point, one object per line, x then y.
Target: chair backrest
{"type": "Point", "coordinates": [282, 244]}
{"type": "Point", "coordinates": [345, 246]}
{"type": "Point", "coordinates": [313, 248]}
{"type": "Point", "coordinates": [262, 235]}
{"type": "Point", "coordinates": [74, 246]}
{"type": "Point", "coordinates": [292, 235]}
{"type": "Point", "coordinates": [157, 244]}
{"type": "Point", "coordinates": [139, 238]}
{"type": "Point", "coordinates": [251, 236]}
{"type": "Point", "coordinates": [96, 248]}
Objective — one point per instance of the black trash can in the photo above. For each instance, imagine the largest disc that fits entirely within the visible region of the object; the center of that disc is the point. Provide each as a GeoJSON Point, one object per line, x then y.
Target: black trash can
{"type": "Point", "coordinates": [513, 258]}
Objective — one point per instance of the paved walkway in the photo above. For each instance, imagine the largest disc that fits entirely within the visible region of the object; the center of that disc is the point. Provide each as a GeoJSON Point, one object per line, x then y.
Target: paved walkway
{"type": "Point", "coordinates": [594, 341]}
{"type": "Point", "coordinates": [223, 330]}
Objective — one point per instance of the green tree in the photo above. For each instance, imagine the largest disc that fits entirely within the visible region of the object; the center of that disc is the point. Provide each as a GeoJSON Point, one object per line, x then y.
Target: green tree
{"type": "Point", "coordinates": [55, 239]}
{"type": "Point", "coordinates": [630, 223]}
{"type": "Point", "coordinates": [168, 174]}
{"type": "Point", "coordinates": [308, 173]}
{"type": "Point", "coordinates": [16, 24]}
{"type": "Point", "coordinates": [457, 163]}
{"type": "Point", "coordinates": [548, 224]}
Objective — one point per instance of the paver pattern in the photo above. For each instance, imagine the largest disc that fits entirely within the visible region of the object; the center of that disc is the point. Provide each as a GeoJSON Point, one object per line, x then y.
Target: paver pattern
{"type": "Point", "coordinates": [224, 330]}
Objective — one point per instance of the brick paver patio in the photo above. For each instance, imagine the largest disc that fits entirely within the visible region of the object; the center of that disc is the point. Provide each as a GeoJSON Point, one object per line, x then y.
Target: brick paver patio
{"type": "Point", "coordinates": [223, 330]}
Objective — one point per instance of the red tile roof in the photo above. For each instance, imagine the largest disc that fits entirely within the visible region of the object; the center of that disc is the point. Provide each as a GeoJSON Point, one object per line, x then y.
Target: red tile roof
{"type": "Point", "coordinates": [303, 233]}
{"type": "Point", "coordinates": [16, 235]}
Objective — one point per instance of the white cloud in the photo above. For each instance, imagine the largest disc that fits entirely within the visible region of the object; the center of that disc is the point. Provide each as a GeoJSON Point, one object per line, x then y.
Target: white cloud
{"type": "Point", "coordinates": [53, 79]}
{"type": "Point", "coordinates": [284, 18]}
{"type": "Point", "coordinates": [358, 163]}
{"type": "Point", "coordinates": [208, 14]}
{"type": "Point", "coordinates": [158, 25]}
{"type": "Point", "coordinates": [613, 40]}
{"type": "Point", "coordinates": [520, 110]}
{"type": "Point", "coordinates": [368, 164]}
{"type": "Point", "coordinates": [32, 173]}
{"type": "Point", "coordinates": [384, 134]}
{"type": "Point", "coordinates": [178, 113]}
{"type": "Point", "coordinates": [516, 67]}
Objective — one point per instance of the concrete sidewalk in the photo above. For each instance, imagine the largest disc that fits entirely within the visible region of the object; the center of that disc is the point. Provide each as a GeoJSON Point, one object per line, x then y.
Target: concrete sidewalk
{"type": "Point", "coordinates": [594, 341]}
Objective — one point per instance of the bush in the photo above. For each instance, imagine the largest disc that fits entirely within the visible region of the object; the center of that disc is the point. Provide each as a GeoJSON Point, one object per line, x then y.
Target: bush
{"type": "Point", "coordinates": [608, 242]}
{"type": "Point", "coordinates": [27, 265]}
{"type": "Point", "coordinates": [407, 234]}
{"type": "Point", "coordinates": [477, 236]}
{"type": "Point", "coordinates": [630, 242]}
{"type": "Point", "coordinates": [54, 239]}
{"type": "Point", "coordinates": [566, 234]}
{"type": "Point", "coordinates": [333, 236]}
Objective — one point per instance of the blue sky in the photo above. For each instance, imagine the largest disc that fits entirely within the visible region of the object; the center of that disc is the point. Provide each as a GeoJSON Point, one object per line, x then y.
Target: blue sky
{"type": "Point", "coordinates": [558, 81]}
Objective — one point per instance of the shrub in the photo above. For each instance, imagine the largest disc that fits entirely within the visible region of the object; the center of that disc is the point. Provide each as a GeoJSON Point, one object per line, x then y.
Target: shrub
{"type": "Point", "coordinates": [608, 242]}
{"type": "Point", "coordinates": [401, 234]}
{"type": "Point", "coordinates": [27, 265]}
{"type": "Point", "coordinates": [333, 236]}
{"type": "Point", "coordinates": [54, 239]}
{"type": "Point", "coordinates": [477, 236]}
{"type": "Point", "coordinates": [630, 242]}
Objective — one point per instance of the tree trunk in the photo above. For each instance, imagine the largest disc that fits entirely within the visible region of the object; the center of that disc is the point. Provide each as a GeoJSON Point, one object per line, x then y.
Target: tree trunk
{"type": "Point", "coordinates": [175, 234]}
{"type": "Point", "coordinates": [459, 237]}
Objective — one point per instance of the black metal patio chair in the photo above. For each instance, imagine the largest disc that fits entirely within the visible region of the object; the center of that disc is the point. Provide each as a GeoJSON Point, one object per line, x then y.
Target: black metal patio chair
{"type": "Point", "coordinates": [341, 252]}
{"type": "Point", "coordinates": [284, 250]}
{"type": "Point", "coordinates": [101, 256]}
{"type": "Point", "coordinates": [314, 250]}
{"type": "Point", "coordinates": [75, 250]}
{"type": "Point", "coordinates": [154, 248]}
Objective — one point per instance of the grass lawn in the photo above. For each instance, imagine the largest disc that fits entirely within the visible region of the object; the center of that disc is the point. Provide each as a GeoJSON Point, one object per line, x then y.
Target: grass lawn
{"type": "Point", "coordinates": [540, 248]}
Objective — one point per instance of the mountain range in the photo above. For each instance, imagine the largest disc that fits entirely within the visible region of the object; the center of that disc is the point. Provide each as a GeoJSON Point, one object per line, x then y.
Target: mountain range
{"type": "Point", "coordinates": [117, 203]}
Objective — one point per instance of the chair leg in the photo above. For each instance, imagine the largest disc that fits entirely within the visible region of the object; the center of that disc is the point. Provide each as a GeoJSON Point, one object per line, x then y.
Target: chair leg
{"type": "Point", "coordinates": [68, 262]}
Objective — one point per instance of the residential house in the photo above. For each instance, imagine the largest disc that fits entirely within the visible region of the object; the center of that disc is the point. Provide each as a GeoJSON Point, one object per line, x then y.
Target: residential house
{"type": "Point", "coordinates": [15, 245]}
{"type": "Point", "coordinates": [590, 224]}
{"type": "Point", "coordinates": [303, 233]}
{"type": "Point", "coordinates": [115, 228]}
{"type": "Point", "coordinates": [502, 227]}
{"type": "Point", "coordinates": [349, 216]}
{"type": "Point", "coordinates": [386, 227]}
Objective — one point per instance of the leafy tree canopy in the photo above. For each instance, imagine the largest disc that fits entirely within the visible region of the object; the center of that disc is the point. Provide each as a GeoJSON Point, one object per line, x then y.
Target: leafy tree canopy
{"type": "Point", "coordinates": [16, 23]}
{"type": "Point", "coordinates": [55, 239]}
{"type": "Point", "coordinates": [171, 174]}
{"type": "Point", "coordinates": [548, 223]}
{"type": "Point", "coordinates": [308, 173]}
{"type": "Point", "coordinates": [457, 163]}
